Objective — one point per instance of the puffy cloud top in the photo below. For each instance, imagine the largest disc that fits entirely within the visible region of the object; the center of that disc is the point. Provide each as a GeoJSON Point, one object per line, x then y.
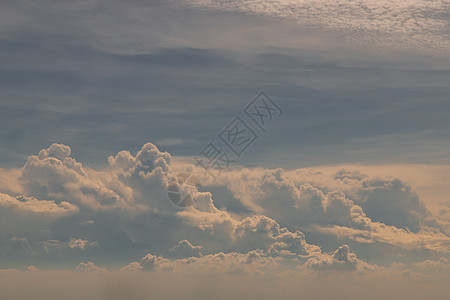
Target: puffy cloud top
{"type": "Point", "coordinates": [58, 151]}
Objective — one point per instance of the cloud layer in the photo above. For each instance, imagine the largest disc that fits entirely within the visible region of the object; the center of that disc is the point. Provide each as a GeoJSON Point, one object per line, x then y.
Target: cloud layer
{"type": "Point", "coordinates": [399, 24]}
{"type": "Point", "coordinates": [248, 221]}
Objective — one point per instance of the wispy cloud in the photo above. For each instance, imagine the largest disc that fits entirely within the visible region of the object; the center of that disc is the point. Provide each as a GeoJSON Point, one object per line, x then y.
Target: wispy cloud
{"type": "Point", "coordinates": [399, 24]}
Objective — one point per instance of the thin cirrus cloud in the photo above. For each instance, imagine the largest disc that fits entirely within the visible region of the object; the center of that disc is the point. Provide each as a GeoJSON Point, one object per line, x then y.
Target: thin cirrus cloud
{"type": "Point", "coordinates": [399, 24]}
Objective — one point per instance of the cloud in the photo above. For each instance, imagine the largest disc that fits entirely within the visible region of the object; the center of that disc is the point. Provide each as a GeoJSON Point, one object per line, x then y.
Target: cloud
{"type": "Point", "coordinates": [58, 151]}
{"type": "Point", "coordinates": [15, 247]}
{"type": "Point", "coordinates": [276, 259]}
{"type": "Point", "coordinates": [439, 267]}
{"type": "Point", "coordinates": [88, 267]}
{"type": "Point", "coordinates": [306, 196]}
{"type": "Point", "coordinates": [343, 259]}
{"type": "Point", "coordinates": [255, 261]}
{"type": "Point", "coordinates": [29, 217]}
{"type": "Point", "coordinates": [62, 250]}
{"type": "Point", "coordinates": [31, 206]}
{"type": "Point", "coordinates": [344, 207]}
{"type": "Point", "coordinates": [32, 268]}
{"type": "Point", "coordinates": [82, 203]}
{"type": "Point", "coordinates": [132, 267]}
{"type": "Point", "coordinates": [375, 232]}
{"type": "Point", "coordinates": [399, 24]}
{"type": "Point", "coordinates": [55, 175]}
{"type": "Point", "coordinates": [121, 213]}
{"type": "Point", "coordinates": [185, 249]}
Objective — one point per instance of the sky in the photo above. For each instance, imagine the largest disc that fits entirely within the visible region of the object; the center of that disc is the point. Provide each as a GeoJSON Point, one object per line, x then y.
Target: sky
{"type": "Point", "coordinates": [340, 180]}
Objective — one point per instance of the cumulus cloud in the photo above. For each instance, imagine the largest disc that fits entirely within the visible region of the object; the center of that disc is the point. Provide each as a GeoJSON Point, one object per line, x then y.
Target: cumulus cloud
{"type": "Point", "coordinates": [69, 212]}
{"type": "Point", "coordinates": [255, 261]}
{"type": "Point", "coordinates": [310, 196]}
{"type": "Point", "coordinates": [132, 267]}
{"type": "Point", "coordinates": [55, 175]}
{"type": "Point", "coordinates": [88, 268]}
{"type": "Point", "coordinates": [185, 249]}
{"type": "Point", "coordinates": [264, 262]}
{"type": "Point", "coordinates": [58, 151]}
{"type": "Point", "coordinates": [82, 203]}
{"type": "Point", "coordinates": [342, 259]}
{"type": "Point", "coordinates": [373, 209]}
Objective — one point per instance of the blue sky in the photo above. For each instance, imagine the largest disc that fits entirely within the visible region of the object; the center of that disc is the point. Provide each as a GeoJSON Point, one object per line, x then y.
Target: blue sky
{"type": "Point", "coordinates": [104, 103]}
